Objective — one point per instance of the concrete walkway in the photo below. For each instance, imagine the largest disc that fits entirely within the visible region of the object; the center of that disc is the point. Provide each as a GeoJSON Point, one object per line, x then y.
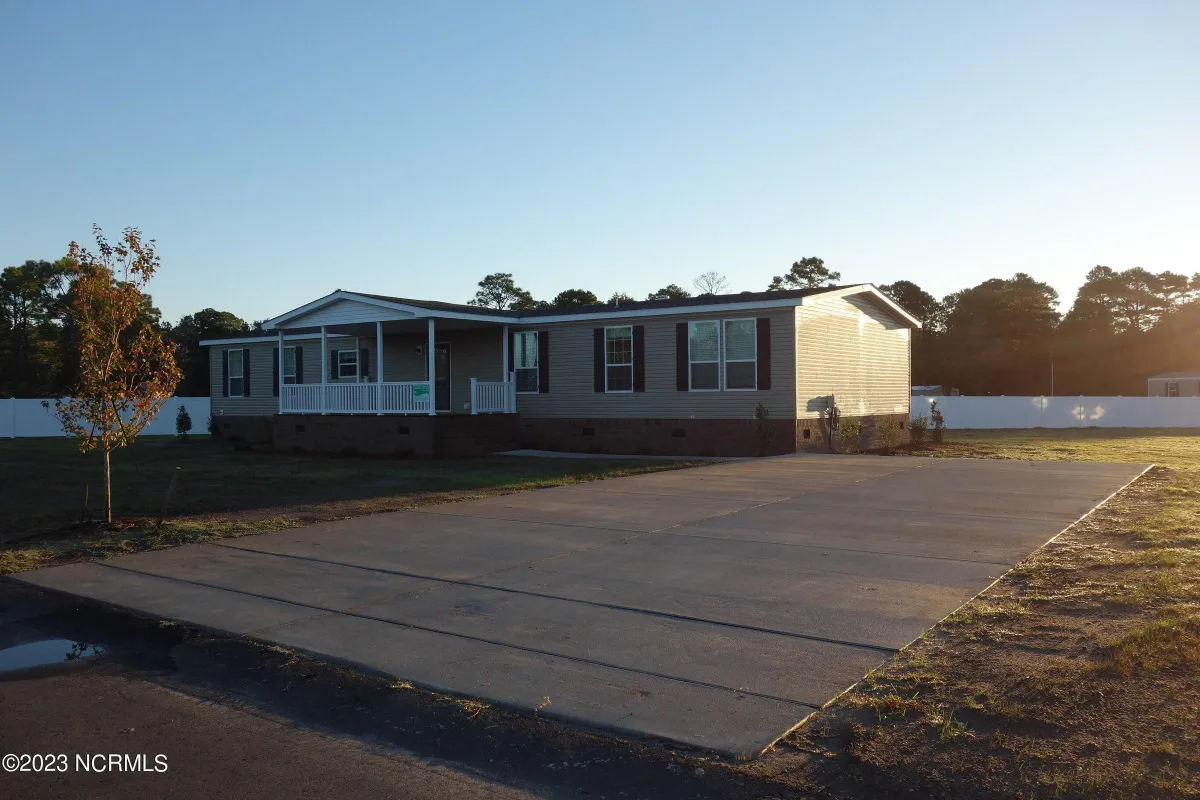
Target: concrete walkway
{"type": "Point", "coordinates": [715, 606]}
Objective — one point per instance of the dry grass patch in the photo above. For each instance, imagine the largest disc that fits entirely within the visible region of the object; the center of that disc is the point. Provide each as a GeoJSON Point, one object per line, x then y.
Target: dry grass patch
{"type": "Point", "coordinates": [1170, 642]}
{"type": "Point", "coordinates": [1075, 676]}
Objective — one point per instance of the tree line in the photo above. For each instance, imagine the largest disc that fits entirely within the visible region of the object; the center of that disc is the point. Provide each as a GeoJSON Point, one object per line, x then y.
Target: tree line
{"type": "Point", "coordinates": [1002, 336]}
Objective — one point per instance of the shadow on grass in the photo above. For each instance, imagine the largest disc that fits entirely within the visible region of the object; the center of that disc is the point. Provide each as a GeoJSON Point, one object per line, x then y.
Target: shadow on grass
{"type": "Point", "coordinates": [49, 486]}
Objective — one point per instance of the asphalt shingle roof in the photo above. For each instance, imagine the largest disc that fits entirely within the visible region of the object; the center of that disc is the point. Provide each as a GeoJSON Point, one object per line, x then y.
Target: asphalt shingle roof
{"type": "Point", "coordinates": [685, 302]}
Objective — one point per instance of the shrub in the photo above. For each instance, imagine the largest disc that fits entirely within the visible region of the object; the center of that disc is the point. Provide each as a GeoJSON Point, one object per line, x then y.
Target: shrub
{"type": "Point", "coordinates": [849, 432]}
{"type": "Point", "coordinates": [889, 434]}
{"type": "Point", "coordinates": [939, 422]}
{"type": "Point", "coordinates": [214, 429]}
{"type": "Point", "coordinates": [183, 422]}
{"type": "Point", "coordinates": [762, 428]}
{"type": "Point", "coordinates": [917, 428]}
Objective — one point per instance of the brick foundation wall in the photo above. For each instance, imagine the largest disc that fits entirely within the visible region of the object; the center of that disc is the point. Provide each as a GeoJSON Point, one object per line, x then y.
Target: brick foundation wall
{"type": "Point", "coordinates": [870, 437]}
{"type": "Point", "coordinates": [458, 436]}
{"type": "Point", "coordinates": [473, 436]}
{"type": "Point", "coordinates": [237, 428]}
{"type": "Point", "coordinates": [672, 437]}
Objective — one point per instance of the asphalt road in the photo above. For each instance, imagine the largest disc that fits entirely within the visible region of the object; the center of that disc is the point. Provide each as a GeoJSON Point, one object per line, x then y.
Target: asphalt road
{"type": "Point", "coordinates": [209, 750]}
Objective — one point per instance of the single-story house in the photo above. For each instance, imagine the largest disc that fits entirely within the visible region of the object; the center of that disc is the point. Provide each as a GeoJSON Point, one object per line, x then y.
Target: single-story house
{"type": "Point", "coordinates": [368, 373]}
{"type": "Point", "coordinates": [1174, 384]}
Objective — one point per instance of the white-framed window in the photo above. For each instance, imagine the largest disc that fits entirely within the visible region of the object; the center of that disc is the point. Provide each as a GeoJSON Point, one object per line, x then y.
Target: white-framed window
{"type": "Point", "coordinates": [704, 356]}
{"type": "Point", "coordinates": [525, 361]}
{"type": "Point", "coordinates": [347, 364]}
{"type": "Point", "coordinates": [1172, 389]}
{"type": "Point", "coordinates": [740, 344]}
{"type": "Point", "coordinates": [289, 365]}
{"type": "Point", "coordinates": [618, 359]}
{"type": "Point", "coordinates": [237, 373]}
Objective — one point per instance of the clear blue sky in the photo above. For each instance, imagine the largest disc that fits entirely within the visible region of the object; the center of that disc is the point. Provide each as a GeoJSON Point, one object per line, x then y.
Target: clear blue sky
{"type": "Point", "coordinates": [280, 151]}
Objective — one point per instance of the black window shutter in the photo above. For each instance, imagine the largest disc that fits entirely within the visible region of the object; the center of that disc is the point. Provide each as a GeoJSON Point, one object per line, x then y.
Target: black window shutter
{"type": "Point", "coordinates": [246, 372]}
{"type": "Point", "coordinates": [299, 364]}
{"type": "Point", "coordinates": [333, 365]}
{"type": "Point", "coordinates": [763, 333]}
{"type": "Point", "coordinates": [512, 351]}
{"type": "Point", "coordinates": [639, 358]}
{"type": "Point", "coordinates": [598, 359]}
{"type": "Point", "coordinates": [681, 356]}
{"type": "Point", "coordinates": [224, 373]}
{"type": "Point", "coordinates": [364, 363]}
{"type": "Point", "coordinates": [543, 340]}
{"type": "Point", "coordinates": [275, 372]}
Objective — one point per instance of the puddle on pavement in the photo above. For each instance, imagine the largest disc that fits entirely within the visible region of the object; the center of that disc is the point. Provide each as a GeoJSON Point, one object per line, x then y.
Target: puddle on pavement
{"type": "Point", "coordinates": [47, 651]}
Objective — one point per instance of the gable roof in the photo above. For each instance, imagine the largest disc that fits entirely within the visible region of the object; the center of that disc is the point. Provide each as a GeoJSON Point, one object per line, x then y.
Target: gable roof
{"type": "Point", "coordinates": [704, 302]}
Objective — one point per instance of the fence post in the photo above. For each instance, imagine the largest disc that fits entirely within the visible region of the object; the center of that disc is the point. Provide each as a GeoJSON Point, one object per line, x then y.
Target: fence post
{"type": "Point", "coordinates": [474, 396]}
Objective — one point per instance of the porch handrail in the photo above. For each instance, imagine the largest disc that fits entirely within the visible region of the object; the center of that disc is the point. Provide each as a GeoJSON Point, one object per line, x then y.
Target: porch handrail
{"type": "Point", "coordinates": [407, 397]}
{"type": "Point", "coordinates": [492, 397]}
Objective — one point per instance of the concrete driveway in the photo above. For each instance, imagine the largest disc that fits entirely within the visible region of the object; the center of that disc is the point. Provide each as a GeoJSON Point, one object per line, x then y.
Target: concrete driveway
{"type": "Point", "coordinates": [716, 606]}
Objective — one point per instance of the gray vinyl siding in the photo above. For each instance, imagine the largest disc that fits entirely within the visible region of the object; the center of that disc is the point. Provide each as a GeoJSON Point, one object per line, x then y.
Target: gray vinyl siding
{"type": "Point", "coordinates": [262, 399]}
{"type": "Point", "coordinates": [475, 353]}
{"type": "Point", "coordinates": [572, 373]}
{"type": "Point", "coordinates": [851, 348]}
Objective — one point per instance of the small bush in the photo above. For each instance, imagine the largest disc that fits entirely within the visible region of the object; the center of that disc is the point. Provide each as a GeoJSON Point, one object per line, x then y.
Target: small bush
{"type": "Point", "coordinates": [939, 422]}
{"type": "Point", "coordinates": [888, 432]}
{"type": "Point", "coordinates": [214, 429]}
{"type": "Point", "coordinates": [917, 428]}
{"type": "Point", "coordinates": [762, 428]}
{"type": "Point", "coordinates": [849, 432]}
{"type": "Point", "coordinates": [183, 422]}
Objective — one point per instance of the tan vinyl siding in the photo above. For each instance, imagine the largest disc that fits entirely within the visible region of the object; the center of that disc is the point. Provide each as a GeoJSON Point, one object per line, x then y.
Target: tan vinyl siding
{"type": "Point", "coordinates": [572, 374]}
{"type": "Point", "coordinates": [346, 312]}
{"type": "Point", "coordinates": [262, 399]}
{"type": "Point", "coordinates": [475, 353]}
{"type": "Point", "coordinates": [851, 348]}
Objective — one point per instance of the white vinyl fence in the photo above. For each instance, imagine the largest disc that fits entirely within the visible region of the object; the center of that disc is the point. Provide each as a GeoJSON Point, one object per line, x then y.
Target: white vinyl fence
{"type": "Point", "coordinates": [1064, 412]}
{"type": "Point", "coordinates": [27, 418]}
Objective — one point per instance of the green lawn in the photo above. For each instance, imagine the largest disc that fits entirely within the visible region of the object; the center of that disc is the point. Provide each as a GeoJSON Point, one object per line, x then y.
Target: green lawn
{"type": "Point", "coordinates": [223, 491]}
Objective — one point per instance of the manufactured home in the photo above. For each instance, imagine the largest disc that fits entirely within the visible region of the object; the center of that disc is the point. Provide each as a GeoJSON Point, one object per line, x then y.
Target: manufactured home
{"type": "Point", "coordinates": [736, 375]}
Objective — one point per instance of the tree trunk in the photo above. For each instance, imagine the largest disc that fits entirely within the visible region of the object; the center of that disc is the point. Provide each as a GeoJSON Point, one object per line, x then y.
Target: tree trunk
{"type": "Point", "coordinates": [107, 488]}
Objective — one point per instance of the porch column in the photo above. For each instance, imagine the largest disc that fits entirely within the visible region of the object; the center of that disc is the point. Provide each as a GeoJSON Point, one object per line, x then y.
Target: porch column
{"type": "Point", "coordinates": [504, 352]}
{"type": "Point", "coordinates": [432, 366]}
{"type": "Point", "coordinates": [324, 366]}
{"type": "Point", "coordinates": [281, 370]}
{"type": "Point", "coordinates": [379, 369]}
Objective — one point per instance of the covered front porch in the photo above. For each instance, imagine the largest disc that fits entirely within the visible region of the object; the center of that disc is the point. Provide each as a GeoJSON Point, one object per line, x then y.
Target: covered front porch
{"type": "Point", "coordinates": [382, 358]}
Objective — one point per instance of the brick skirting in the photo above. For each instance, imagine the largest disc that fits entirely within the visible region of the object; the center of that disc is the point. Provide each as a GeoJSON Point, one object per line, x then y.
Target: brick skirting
{"type": "Point", "coordinates": [247, 429]}
{"type": "Point", "coordinates": [467, 436]}
{"type": "Point", "coordinates": [690, 437]}
{"type": "Point", "coordinates": [447, 436]}
{"type": "Point", "coordinates": [817, 440]}
{"type": "Point", "coordinates": [675, 437]}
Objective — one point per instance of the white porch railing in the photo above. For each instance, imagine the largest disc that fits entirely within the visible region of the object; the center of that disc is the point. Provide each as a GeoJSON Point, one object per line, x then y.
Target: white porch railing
{"type": "Point", "coordinates": [411, 397]}
{"type": "Point", "coordinates": [493, 397]}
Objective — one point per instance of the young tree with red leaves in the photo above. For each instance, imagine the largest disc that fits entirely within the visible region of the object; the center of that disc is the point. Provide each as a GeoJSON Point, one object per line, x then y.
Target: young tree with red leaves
{"type": "Point", "coordinates": [126, 368]}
